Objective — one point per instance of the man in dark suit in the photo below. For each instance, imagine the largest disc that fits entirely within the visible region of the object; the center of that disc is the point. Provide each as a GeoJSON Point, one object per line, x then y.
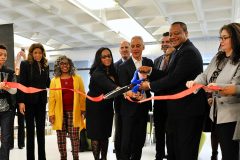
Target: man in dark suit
{"type": "Point", "coordinates": [160, 108]}
{"type": "Point", "coordinates": [124, 50]}
{"type": "Point", "coordinates": [185, 115]}
{"type": "Point", "coordinates": [134, 115]}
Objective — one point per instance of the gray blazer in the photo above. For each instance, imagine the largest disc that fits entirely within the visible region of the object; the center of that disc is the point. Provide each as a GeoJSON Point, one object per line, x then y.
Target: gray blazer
{"type": "Point", "coordinates": [237, 128]}
{"type": "Point", "coordinates": [228, 107]}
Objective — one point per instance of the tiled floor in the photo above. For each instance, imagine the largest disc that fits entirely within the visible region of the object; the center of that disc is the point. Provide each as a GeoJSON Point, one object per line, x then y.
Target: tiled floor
{"type": "Point", "coordinates": [52, 151]}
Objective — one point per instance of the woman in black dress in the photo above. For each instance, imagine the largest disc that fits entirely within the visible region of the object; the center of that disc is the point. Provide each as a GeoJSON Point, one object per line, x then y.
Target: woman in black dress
{"type": "Point", "coordinates": [99, 115]}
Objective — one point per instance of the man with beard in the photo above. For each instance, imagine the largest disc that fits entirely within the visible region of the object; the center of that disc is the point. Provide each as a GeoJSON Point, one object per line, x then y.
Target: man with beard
{"type": "Point", "coordinates": [160, 110]}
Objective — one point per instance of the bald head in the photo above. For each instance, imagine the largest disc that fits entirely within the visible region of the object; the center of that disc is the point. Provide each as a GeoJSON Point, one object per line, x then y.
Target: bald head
{"type": "Point", "coordinates": [124, 49]}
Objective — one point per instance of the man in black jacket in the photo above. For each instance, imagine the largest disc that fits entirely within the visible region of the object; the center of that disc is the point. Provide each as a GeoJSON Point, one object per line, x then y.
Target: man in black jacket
{"type": "Point", "coordinates": [124, 50]}
{"type": "Point", "coordinates": [134, 116]}
{"type": "Point", "coordinates": [185, 115]}
{"type": "Point", "coordinates": [6, 75]}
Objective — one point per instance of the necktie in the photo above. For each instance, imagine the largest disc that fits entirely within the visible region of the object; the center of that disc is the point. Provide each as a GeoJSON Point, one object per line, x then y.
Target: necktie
{"type": "Point", "coordinates": [165, 63]}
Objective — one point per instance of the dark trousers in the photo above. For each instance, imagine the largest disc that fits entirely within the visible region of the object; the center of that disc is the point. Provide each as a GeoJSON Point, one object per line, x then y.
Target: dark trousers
{"type": "Point", "coordinates": [35, 115]}
{"type": "Point", "coordinates": [133, 135]}
{"type": "Point", "coordinates": [117, 138]}
{"type": "Point", "coordinates": [160, 117]}
{"type": "Point", "coordinates": [5, 125]}
{"type": "Point", "coordinates": [21, 131]}
{"type": "Point", "coordinates": [183, 137]}
{"type": "Point", "coordinates": [229, 147]}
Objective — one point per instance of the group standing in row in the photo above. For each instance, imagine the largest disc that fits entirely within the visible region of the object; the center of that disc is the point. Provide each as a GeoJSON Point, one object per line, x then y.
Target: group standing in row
{"type": "Point", "coordinates": [179, 121]}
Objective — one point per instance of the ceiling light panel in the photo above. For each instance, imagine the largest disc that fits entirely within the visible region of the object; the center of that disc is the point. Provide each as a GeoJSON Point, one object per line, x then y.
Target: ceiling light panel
{"type": "Point", "coordinates": [97, 4]}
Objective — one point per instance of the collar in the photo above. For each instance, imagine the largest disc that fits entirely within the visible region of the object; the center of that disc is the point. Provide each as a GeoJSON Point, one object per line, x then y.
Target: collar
{"type": "Point", "coordinates": [136, 61]}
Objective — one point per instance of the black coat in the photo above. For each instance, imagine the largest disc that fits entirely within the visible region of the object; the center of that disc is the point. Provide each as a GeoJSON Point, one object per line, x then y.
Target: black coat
{"type": "Point", "coordinates": [30, 77]}
{"type": "Point", "coordinates": [126, 72]}
{"type": "Point", "coordinates": [99, 115]}
{"type": "Point", "coordinates": [117, 64]}
{"type": "Point", "coordinates": [185, 65]}
{"type": "Point", "coordinates": [117, 100]}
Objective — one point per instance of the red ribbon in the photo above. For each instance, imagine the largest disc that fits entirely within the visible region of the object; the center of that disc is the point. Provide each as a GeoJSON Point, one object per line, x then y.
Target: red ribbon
{"type": "Point", "coordinates": [180, 94]}
{"type": "Point", "coordinates": [100, 98]}
{"type": "Point", "coordinates": [35, 90]}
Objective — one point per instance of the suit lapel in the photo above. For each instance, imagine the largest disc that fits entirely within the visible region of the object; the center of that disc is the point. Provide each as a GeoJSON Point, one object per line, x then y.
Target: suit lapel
{"type": "Point", "coordinates": [144, 62]}
{"type": "Point", "coordinates": [172, 59]}
{"type": "Point", "coordinates": [159, 62]}
{"type": "Point", "coordinates": [177, 51]}
{"type": "Point", "coordinates": [133, 67]}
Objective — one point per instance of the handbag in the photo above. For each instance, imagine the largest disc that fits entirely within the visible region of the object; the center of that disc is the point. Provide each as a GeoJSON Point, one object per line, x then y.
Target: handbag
{"type": "Point", "coordinates": [85, 143]}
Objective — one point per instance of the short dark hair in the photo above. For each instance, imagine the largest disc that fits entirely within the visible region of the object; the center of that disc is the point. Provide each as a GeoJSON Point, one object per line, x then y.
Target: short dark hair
{"type": "Point", "coordinates": [182, 24]}
{"type": "Point", "coordinates": [165, 34]}
{"type": "Point", "coordinates": [2, 46]}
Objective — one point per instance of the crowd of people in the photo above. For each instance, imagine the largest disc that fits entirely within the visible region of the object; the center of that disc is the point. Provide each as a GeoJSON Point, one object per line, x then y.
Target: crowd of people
{"type": "Point", "coordinates": [178, 123]}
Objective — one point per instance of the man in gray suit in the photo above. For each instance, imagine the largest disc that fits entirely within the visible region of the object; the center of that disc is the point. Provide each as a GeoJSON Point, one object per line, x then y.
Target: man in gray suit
{"type": "Point", "coordinates": [160, 110]}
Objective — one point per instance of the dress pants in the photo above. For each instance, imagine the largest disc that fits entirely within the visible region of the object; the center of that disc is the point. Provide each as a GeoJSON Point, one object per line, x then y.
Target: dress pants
{"type": "Point", "coordinates": [5, 125]}
{"type": "Point", "coordinates": [160, 117]}
{"type": "Point", "coordinates": [21, 130]}
{"type": "Point", "coordinates": [133, 135]}
{"type": "Point", "coordinates": [117, 138]}
{"type": "Point", "coordinates": [35, 115]}
{"type": "Point", "coordinates": [184, 137]}
{"type": "Point", "coordinates": [229, 147]}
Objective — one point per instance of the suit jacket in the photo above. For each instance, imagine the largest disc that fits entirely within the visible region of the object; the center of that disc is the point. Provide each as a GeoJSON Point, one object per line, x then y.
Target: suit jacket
{"type": "Point", "coordinates": [117, 100]}
{"type": "Point", "coordinates": [30, 77]}
{"type": "Point", "coordinates": [159, 104]}
{"type": "Point", "coordinates": [117, 64]}
{"type": "Point", "coordinates": [158, 61]}
{"type": "Point", "coordinates": [99, 84]}
{"type": "Point", "coordinates": [126, 72]}
{"type": "Point", "coordinates": [185, 64]}
{"type": "Point", "coordinates": [228, 109]}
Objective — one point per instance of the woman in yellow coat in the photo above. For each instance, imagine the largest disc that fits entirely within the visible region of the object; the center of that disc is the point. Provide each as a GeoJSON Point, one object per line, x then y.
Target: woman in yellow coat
{"type": "Point", "coordinates": [66, 107]}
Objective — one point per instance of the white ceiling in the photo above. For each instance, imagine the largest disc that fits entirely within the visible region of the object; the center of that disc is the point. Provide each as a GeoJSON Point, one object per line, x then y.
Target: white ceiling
{"type": "Point", "coordinates": [60, 24]}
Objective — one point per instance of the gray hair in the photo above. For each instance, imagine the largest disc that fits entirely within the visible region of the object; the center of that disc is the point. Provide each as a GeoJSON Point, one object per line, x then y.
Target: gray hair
{"type": "Point", "coordinates": [57, 70]}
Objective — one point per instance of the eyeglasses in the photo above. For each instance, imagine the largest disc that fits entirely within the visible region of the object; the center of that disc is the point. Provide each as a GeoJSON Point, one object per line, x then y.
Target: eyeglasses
{"type": "Point", "coordinates": [106, 56]}
{"type": "Point", "coordinates": [64, 63]}
{"type": "Point", "coordinates": [223, 38]}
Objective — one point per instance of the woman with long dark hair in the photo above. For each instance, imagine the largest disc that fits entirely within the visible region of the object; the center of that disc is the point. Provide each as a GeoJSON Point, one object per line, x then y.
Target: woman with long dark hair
{"type": "Point", "coordinates": [224, 69]}
{"type": "Point", "coordinates": [99, 115]}
{"type": "Point", "coordinates": [34, 72]}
